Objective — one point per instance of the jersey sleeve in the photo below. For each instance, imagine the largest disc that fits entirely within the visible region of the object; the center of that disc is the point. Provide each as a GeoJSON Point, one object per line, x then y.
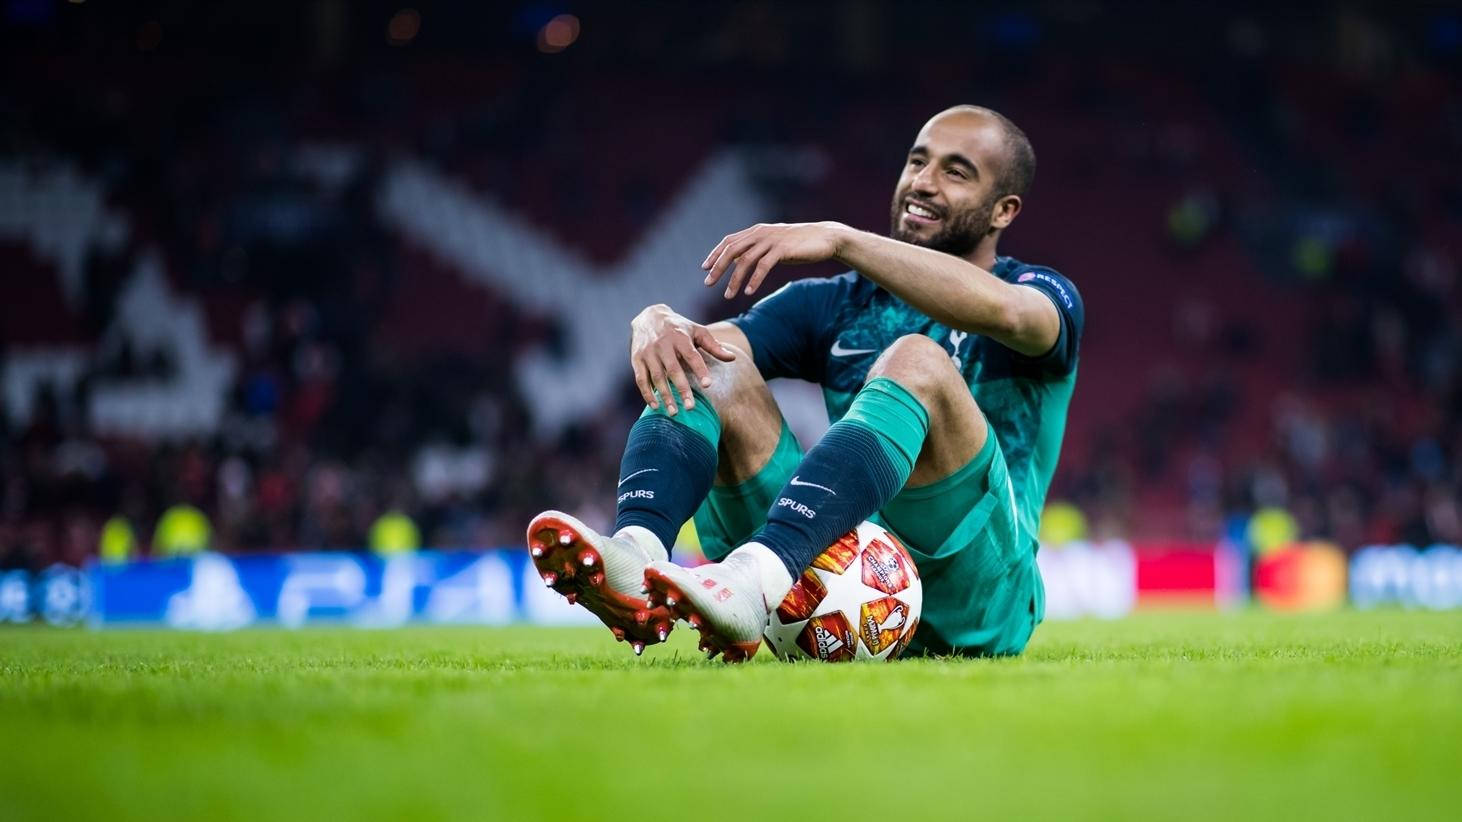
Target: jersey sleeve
{"type": "Point", "coordinates": [788, 327]}
{"type": "Point", "coordinates": [1061, 359]}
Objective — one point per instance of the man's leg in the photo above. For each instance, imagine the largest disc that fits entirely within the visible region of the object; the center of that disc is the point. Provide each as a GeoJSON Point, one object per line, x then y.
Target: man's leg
{"type": "Point", "coordinates": [982, 590]}
{"type": "Point", "coordinates": [914, 423]}
{"type": "Point", "coordinates": [668, 467]}
{"type": "Point", "coordinates": [735, 510]}
{"type": "Point", "coordinates": [757, 454]}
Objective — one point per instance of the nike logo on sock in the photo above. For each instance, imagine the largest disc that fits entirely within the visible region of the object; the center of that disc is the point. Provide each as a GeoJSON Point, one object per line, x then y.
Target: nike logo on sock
{"type": "Point", "coordinates": [840, 351]}
{"type": "Point", "coordinates": [796, 481]}
{"type": "Point", "coordinates": [636, 474]}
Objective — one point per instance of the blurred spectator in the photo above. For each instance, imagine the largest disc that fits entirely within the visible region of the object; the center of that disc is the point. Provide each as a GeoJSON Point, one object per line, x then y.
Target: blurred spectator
{"type": "Point", "coordinates": [118, 540]}
{"type": "Point", "coordinates": [181, 530]}
{"type": "Point", "coordinates": [394, 533]}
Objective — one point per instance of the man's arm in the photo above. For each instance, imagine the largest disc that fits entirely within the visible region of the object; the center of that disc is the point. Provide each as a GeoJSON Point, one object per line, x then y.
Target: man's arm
{"type": "Point", "coordinates": [955, 292]}
{"type": "Point", "coordinates": [947, 288]}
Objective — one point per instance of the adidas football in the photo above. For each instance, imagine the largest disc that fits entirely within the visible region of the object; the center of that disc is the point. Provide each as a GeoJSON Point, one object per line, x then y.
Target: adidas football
{"type": "Point", "coordinates": [860, 599]}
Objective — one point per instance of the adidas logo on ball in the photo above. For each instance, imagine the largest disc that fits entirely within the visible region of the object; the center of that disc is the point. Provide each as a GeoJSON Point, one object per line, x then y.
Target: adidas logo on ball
{"type": "Point", "coordinates": [828, 643]}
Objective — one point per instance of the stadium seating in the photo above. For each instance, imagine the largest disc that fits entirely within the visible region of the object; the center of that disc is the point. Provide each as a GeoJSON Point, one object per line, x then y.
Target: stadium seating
{"type": "Point", "coordinates": [346, 295]}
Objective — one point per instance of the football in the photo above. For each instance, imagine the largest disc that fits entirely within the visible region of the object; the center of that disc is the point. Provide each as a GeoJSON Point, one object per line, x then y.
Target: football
{"type": "Point", "coordinates": [860, 599]}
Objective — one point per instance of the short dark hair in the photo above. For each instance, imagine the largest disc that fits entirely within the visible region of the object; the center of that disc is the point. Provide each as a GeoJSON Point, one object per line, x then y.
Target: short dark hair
{"type": "Point", "coordinates": [1020, 158]}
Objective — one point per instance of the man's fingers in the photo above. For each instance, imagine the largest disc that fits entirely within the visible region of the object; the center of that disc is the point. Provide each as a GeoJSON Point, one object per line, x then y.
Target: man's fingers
{"type": "Point", "coordinates": [763, 268]}
{"type": "Point", "coordinates": [697, 364]}
{"type": "Point", "coordinates": [716, 252]}
{"type": "Point", "coordinates": [642, 381]}
{"type": "Point", "coordinates": [674, 375]}
{"type": "Point", "coordinates": [715, 269]}
{"type": "Point", "coordinates": [657, 378]}
{"type": "Point", "coordinates": [682, 383]}
{"type": "Point", "coordinates": [724, 260]}
{"type": "Point", "coordinates": [720, 247]}
{"type": "Point", "coordinates": [745, 263]}
{"type": "Point", "coordinates": [708, 343]}
{"type": "Point", "coordinates": [728, 256]}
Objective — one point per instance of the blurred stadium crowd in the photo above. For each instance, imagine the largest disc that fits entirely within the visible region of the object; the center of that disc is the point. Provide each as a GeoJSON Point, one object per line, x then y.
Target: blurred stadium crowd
{"type": "Point", "coordinates": [1263, 215]}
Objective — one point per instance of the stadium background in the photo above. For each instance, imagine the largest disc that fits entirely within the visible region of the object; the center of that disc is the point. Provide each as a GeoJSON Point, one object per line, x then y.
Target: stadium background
{"type": "Point", "coordinates": [330, 276]}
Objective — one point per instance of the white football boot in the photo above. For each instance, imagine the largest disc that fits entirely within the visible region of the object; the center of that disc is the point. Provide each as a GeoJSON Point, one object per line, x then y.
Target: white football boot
{"type": "Point", "coordinates": [728, 602]}
{"type": "Point", "coordinates": [605, 574]}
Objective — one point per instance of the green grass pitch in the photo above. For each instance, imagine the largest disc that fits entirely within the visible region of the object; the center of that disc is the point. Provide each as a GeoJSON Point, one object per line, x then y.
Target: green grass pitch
{"type": "Point", "coordinates": [1162, 715]}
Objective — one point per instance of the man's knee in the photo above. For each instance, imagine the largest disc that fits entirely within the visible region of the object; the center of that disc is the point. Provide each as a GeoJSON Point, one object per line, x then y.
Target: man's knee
{"type": "Point", "coordinates": [751, 422]}
{"type": "Point", "coordinates": [739, 394]}
{"type": "Point", "coordinates": [957, 429]}
{"type": "Point", "coordinates": [731, 381]}
{"type": "Point", "coordinates": [920, 365]}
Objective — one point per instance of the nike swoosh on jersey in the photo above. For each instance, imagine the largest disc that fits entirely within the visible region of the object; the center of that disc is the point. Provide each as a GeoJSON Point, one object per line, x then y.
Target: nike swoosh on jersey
{"type": "Point", "coordinates": [636, 474]}
{"type": "Point", "coordinates": [796, 481]}
{"type": "Point", "coordinates": [840, 351]}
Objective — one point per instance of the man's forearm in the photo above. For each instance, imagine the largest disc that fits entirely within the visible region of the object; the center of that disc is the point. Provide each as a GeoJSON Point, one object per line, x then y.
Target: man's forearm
{"type": "Point", "coordinates": [952, 291]}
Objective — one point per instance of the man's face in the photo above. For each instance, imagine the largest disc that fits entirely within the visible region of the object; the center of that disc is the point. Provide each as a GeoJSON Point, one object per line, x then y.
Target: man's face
{"type": "Point", "coordinates": [946, 198]}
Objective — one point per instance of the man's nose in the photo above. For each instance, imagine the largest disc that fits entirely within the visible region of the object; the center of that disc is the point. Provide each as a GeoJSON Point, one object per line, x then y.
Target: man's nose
{"type": "Point", "coordinates": [923, 182]}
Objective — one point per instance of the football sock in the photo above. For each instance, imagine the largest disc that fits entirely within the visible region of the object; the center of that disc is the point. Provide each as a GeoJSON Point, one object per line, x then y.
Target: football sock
{"type": "Point", "coordinates": [667, 469]}
{"type": "Point", "coordinates": [859, 464]}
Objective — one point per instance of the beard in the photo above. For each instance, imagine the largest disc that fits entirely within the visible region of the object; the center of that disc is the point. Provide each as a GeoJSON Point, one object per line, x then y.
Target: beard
{"type": "Point", "coordinates": [960, 232]}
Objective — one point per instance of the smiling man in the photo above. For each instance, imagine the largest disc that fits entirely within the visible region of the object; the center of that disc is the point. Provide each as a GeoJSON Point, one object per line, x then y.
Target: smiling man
{"type": "Point", "coordinates": [946, 369]}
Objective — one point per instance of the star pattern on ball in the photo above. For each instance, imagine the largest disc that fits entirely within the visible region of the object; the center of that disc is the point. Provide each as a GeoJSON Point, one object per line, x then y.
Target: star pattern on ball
{"type": "Point", "coordinates": [847, 587]}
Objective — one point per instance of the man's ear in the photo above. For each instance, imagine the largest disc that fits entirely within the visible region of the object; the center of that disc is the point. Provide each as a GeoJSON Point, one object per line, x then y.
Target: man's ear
{"type": "Point", "coordinates": [1005, 210]}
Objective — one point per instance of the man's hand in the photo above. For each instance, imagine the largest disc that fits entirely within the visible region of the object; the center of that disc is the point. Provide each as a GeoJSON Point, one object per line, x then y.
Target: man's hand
{"type": "Point", "coordinates": [661, 344]}
{"type": "Point", "coordinates": [755, 250]}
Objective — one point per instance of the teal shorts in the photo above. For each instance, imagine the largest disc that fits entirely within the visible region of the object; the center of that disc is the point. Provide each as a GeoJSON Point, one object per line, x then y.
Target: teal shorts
{"type": "Point", "coordinates": [982, 591]}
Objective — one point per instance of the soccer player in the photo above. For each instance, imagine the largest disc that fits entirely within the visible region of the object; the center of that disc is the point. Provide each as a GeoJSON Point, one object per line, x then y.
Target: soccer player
{"type": "Point", "coordinates": [946, 369]}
